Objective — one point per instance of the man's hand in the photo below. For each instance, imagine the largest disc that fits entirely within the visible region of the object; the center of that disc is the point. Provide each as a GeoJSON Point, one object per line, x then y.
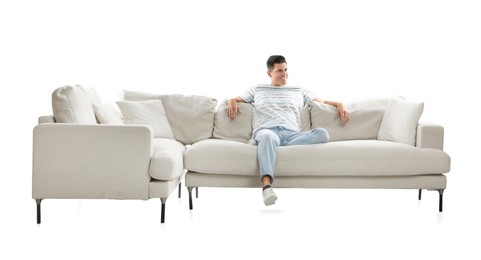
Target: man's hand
{"type": "Point", "coordinates": [340, 109]}
{"type": "Point", "coordinates": [342, 113]}
{"type": "Point", "coordinates": [232, 109]}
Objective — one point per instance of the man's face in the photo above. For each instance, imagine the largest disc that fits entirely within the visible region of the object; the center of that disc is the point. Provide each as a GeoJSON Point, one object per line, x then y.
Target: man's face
{"type": "Point", "coordinates": [278, 74]}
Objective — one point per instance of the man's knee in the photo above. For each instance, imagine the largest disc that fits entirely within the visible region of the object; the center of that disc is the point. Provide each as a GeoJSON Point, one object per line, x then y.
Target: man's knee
{"type": "Point", "coordinates": [265, 135]}
{"type": "Point", "coordinates": [321, 134]}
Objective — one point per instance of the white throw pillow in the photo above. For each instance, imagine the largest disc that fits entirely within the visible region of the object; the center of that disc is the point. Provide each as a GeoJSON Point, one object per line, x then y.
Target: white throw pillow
{"type": "Point", "coordinates": [107, 114]}
{"type": "Point", "coordinates": [191, 117]}
{"type": "Point", "coordinates": [150, 112]}
{"type": "Point", "coordinates": [400, 121]}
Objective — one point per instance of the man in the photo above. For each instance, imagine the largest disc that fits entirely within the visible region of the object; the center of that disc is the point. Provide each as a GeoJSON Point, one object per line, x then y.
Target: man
{"type": "Point", "coordinates": [276, 119]}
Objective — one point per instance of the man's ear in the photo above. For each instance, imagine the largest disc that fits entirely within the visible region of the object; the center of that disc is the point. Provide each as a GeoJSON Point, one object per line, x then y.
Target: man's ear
{"type": "Point", "coordinates": [269, 73]}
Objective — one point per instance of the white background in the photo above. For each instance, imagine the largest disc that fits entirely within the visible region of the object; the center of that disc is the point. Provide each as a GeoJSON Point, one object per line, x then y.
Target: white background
{"type": "Point", "coordinates": [342, 50]}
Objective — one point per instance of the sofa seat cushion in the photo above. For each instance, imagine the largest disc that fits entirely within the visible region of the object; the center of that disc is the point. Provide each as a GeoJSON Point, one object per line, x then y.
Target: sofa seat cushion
{"type": "Point", "coordinates": [167, 160]}
{"type": "Point", "coordinates": [347, 158]}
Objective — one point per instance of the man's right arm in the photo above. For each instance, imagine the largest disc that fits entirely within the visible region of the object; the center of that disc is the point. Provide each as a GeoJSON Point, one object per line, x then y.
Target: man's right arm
{"type": "Point", "coordinates": [232, 108]}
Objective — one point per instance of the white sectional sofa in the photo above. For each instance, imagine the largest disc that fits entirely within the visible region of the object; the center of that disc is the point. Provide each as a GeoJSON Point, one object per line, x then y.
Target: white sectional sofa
{"type": "Point", "coordinates": [87, 149]}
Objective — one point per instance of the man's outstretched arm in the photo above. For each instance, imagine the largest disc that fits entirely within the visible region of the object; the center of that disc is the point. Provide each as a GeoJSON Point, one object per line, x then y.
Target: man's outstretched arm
{"type": "Point", "coordinates": [341, 109]}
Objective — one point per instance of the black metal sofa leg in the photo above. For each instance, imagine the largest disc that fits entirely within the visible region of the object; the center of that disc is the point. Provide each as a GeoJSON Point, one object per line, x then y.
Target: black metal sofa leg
{"type": "Point", "coordinates": [180, 188]}
{"type": "Point", "coordinates": [162, 212]}
{"type": "Point", "coordinates": [441, 200]}
{"type": "Point", "coordinates": [190, 197]}
{"type": "Point", "coordinates": [441, 191]}
{"type": "Point", "coordinates": [39, 216]}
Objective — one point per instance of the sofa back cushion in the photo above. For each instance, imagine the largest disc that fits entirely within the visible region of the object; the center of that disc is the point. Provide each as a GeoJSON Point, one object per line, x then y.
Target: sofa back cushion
{"type": "Point", "coordinates": [73, 104]}
{"type": "Point", "coordinates": [148, 112]}
{"type": "Point", "coordinates": [240, 129]}
{"type": "Point", "coordinates": [107, 114]}
{"type": "Point", "coordinates": [400, 121]}
{"type": "Point", "coordinates": [191, 117]}
{"type": "Point", "coordinates": [365, 119]}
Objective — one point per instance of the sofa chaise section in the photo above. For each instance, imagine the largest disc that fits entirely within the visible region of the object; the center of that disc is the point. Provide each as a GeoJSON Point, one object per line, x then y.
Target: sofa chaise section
{"type": "Point", "coordinates": [72, 161]}
{"type": "Point", "coordinates": [87, 151]}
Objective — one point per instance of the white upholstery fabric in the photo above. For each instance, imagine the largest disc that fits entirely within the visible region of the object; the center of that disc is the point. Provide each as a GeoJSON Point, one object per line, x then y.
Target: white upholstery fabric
{"type": "Point", "coordinates": [430, 135]}
{"type": "Point", "coordinates": [365, 118]}
{"type": "Point", "coordinates": [306, 118]}
{"type": "Point", "coordinates": [46, 119]}
{"type": "Point", "coordinates": [400, 121]}
{"type": "Point", "coordinates": [432, 181]}
{"type": "Point", "coordinates": [354, 158]}
{"type": "Point", "coordinates": [91, 161]}
{"type": "Point", "coordinates": [167, 163]}
{"type": "Point", "coordinates": [163, 189]}
{"type": "Point", "coordinates": [149, 112]}
{"type": "Point", "coordinates": [191, 117]}
{"type": "Point", "coordinates": [73, 104]}
{"type": "Point", "coordinates": [107, 114]}
{"type": "Point", "coordinates": [239, 129]}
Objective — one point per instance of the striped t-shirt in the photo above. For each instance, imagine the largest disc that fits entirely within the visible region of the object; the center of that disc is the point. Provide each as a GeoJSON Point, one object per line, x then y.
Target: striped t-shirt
{"type": "Point", "coordinates": [276, 106]}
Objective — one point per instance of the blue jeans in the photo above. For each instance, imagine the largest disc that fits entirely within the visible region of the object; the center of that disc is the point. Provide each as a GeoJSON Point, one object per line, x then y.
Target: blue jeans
{"type": "Point", "coordinates": [268, 139]}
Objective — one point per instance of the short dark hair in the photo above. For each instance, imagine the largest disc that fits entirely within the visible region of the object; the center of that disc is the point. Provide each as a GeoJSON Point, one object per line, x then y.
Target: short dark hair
{"type": "Point", "coordinates": [275, 59]}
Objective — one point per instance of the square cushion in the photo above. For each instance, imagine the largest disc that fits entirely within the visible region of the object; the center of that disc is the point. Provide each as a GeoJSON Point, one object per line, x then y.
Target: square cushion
{"type": "Point", "coordinates": [365, 119]}
{"type": "Point", "coordinates": [107, 114]}
{"type": "Point", "coordinates": [191, 117]}
{"type": "Point", "coordinates": [400, 121]}
{"type": "Point", "coordinates": [239, 129]}
{"type": "Point", "coordinates": [149, 112]}
{"type": "Point", "coordinates": [73, 104]}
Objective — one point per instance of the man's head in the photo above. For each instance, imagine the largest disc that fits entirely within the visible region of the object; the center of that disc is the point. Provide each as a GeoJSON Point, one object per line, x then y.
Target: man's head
{"type": "Point", "coordinates": [277, 70]}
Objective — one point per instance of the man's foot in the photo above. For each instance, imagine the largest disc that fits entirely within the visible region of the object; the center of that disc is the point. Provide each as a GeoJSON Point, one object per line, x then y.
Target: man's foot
{"type": "Point", "coordinates": [269, 196]}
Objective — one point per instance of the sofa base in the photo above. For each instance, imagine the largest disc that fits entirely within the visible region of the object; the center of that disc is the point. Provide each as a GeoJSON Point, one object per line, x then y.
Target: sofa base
{"type": "Point", "coordinates": [169, 186]}
{"type": "Point", "coordinates": [420, 182]}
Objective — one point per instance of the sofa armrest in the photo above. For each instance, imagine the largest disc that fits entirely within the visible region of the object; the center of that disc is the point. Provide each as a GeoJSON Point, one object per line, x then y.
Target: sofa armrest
{"type": "Point", "coordinates": [46, 119]}
{"type": "Point", "coordinates": [80, 161]}
{"type": "Point", "coordinates": [430, 135]}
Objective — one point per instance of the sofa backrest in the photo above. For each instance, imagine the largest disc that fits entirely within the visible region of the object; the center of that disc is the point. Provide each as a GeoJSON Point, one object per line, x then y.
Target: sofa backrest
{"type": "Point", "coordinates": [194, 118]}
{"type": "Point", "coordinates": [240, 129]}
{"type": "Point", "coordinates": [74, 104]}
{"type": "Point", "coordinates": [365, 119]}
{"type": "Point", "coordinates": [191, 117]}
